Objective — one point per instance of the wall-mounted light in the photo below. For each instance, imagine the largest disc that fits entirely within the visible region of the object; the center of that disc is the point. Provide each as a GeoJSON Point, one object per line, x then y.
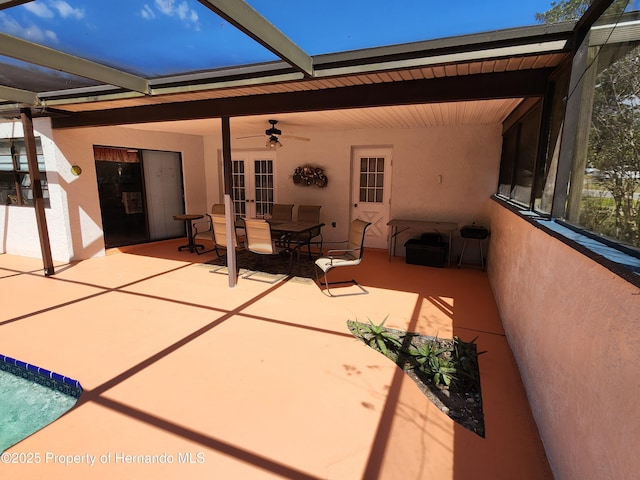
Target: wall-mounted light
{"type": "Point", "coordinates": [76, 170]}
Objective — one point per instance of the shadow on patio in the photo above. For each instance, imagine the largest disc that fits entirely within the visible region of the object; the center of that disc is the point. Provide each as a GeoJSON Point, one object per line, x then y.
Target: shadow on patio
{"type": "Point", "coordinates": [257, 381]}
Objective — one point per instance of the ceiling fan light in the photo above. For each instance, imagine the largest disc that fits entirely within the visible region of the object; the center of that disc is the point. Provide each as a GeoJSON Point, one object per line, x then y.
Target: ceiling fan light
{"type": "Point", "coordinates": [273, 142]}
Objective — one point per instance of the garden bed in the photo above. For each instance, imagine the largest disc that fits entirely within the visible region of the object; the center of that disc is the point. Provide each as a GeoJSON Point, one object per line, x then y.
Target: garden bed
{"type": "Point", "coordinates": [445, 370]}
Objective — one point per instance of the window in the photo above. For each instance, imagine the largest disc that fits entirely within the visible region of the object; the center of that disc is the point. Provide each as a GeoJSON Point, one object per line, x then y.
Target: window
{"type": "Point", "coordinates": [575, 158]}
{"type": "Point", "coordinates": [519, 151]}
{"type": "Point", "coordinates": [604, 195]}
{"type": "Point", "coordinates": [15, 181]}
{"type": "Point", "coordinates": [551, 132]}
{"type": "Point", "coordinates": [371, 179]}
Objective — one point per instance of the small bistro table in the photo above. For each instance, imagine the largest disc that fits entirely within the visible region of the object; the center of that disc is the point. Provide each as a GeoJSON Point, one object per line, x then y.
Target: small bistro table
{"type": "Point", "coordinates": [188, 218]}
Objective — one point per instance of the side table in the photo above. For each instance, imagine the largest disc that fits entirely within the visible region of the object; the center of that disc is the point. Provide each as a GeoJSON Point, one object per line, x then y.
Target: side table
{"type": "Point", "coordinates": [188, 218]}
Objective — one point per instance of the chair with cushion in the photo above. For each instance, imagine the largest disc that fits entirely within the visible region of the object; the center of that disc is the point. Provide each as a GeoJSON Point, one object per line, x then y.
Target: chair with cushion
{"type": "Point", "coordinates": [260, 241]}
{"type": "Point", "coordinates": [310, 214]}
{"type": "Point", "coordinates": [203, 230]}
{"type": "Point", "coordinates": [347, 257]}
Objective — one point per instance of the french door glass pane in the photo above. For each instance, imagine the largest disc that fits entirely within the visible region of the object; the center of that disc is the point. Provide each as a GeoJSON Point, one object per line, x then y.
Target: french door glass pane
{"type": "Point", "coordinates": [239, 193]}
{"type": "Point", "coordinates": [264, 187]}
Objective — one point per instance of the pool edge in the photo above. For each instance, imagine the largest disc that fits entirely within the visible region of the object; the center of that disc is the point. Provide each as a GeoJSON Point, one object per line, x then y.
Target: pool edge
{"type": "Point", "coordinates": [42, 376]}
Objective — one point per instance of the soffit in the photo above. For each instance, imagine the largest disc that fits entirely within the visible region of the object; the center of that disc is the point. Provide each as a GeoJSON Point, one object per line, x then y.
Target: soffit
{"type": "Point", "coordinates": [204, 92]}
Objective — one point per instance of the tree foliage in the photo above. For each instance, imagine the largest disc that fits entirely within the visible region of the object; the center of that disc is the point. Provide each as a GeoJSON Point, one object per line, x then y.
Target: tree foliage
{"type": "Point", "coordinates": [564, 11]}
{"type": "Point", "coordinates": [615, 131]}
{"type": "Point", "coordinates": [613, 142]}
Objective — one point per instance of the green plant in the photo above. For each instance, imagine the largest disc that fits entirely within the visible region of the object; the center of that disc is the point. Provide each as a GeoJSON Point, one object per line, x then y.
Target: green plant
{"type": "Point", "coordinates": [376, 336]}
{"type": "Point", "coordinates": [452, 363]}
{"type": "Point", "coordinates": [466, 357]}
{"type": "Point", "coordinates": [434, 361]}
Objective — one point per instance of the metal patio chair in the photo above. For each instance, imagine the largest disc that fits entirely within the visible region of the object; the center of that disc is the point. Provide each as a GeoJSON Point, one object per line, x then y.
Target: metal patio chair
{"type": "Point", "coordinates": [311, 214]}
{"type": "Point", "coordinates": [203, 230]}
{"type": "Point", "coordinates": [260, 241]}
{"type": "Point", "coordinates": [347, 257]}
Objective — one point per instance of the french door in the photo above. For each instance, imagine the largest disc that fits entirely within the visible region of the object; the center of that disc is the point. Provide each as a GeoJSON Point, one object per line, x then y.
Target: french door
{"type": "Point", "coordinates": [253, 183]}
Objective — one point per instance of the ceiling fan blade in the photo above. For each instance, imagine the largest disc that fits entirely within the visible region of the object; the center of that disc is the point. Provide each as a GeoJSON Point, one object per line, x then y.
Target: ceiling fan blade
{"type": "Point", "coordinates": [293, 137]}
{"type": "Point", "coordinates": [249, 136]}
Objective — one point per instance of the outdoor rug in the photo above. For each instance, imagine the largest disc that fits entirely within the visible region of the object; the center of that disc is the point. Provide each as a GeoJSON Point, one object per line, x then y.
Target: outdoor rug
{"type": "Point", "coordinates": [268, 268]}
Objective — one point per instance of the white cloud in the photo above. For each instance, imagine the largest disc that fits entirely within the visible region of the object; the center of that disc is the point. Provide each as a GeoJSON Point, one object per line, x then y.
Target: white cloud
{"type": "Point", "coordinates": [9, 25]}
{"type": "Point", "coordinates": [39, 9]}
{"type": "Point", "coordinates": [51, 35]}
{"type": "Point", "coordinates": [33, 33]}
{"type": "Point", "coordinates": [165, 6]}
{"type": "Point", "coordinates": [182, 10]}
{"type": "Point", "coordinates": [67, 11]}
{"type": "Point", "coordinates": [147, 12]}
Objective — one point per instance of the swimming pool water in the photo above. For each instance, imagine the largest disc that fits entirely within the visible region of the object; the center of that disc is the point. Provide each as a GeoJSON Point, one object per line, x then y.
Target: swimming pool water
{"type": "Point", "coordinates": [26, 407]}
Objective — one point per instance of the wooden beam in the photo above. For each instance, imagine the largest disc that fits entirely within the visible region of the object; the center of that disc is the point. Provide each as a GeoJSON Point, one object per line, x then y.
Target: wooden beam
{"type": "Point", "coordinates": [449, 89]}
{"type": "Point", "coordinates": [36, 188]}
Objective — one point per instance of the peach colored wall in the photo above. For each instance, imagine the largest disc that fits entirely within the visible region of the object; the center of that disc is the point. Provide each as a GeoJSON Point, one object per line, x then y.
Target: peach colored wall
{"type": "Point", "coordinates": [467, 157]}
{"type": "Point", "coordinates": [74, 220]}
{"type": "Point", "coordinates": [574, 328]}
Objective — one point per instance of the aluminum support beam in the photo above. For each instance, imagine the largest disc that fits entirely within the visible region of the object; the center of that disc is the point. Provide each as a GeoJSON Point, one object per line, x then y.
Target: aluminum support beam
{"type": "Point", "coordinates": [228, 201]}
{"type": "Point", "coordinates": [250, 22]}
{"type": "Point", "coordinates": [47, 57]}
{"type": "Point", "coordinates": [19, 96]}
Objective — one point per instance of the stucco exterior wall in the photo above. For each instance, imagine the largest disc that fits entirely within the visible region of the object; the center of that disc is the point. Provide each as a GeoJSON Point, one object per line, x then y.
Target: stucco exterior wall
{"type": "Point", "coordinates": [574, 329]}
{"type": "Point", "coordinates": [466, 158]}
{"type": "Point", "coordinates": [18, 228]}
{"type": "Point", "coordinates": [74, 220]}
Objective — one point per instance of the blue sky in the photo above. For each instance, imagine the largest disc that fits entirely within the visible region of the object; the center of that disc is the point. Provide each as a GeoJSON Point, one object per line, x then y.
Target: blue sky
{"type": "Point", "coordinates": [160, 37]}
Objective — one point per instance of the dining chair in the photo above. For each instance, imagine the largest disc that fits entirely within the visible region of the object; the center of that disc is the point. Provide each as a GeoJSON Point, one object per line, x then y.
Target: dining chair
{"type": "Point", "coordinates": [203, 230]}
{"type": "Point", "coordinates": [310, 214]}
{"type": "Point", "coordinates": [221, 245]}
{"type": "Point", "coordinates": [281, 212]}
{"type": "Point", "coordinates": [260, 241]}
{"type": "Point", "coordinates": [347, 257]}
{"type": "Point", "coordinates": [220, 233]}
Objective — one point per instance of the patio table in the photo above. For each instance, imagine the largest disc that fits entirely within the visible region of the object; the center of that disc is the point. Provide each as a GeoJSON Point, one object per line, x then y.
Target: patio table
{"type": "Point", "coordinates": [294, 231]}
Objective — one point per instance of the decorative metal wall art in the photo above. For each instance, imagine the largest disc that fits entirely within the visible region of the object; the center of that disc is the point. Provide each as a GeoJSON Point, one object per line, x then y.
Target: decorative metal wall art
{"type": "Point", "coordinates": [307, 175]}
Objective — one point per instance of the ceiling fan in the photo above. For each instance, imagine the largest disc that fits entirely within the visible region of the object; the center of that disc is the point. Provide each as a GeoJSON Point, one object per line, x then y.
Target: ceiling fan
{"type": "Point", "coordinates": [274, 134]}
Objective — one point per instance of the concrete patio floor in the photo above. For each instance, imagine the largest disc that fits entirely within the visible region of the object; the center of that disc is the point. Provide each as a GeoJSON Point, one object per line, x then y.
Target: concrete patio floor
{"type": "Point", "coordinates": [258, 381]}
